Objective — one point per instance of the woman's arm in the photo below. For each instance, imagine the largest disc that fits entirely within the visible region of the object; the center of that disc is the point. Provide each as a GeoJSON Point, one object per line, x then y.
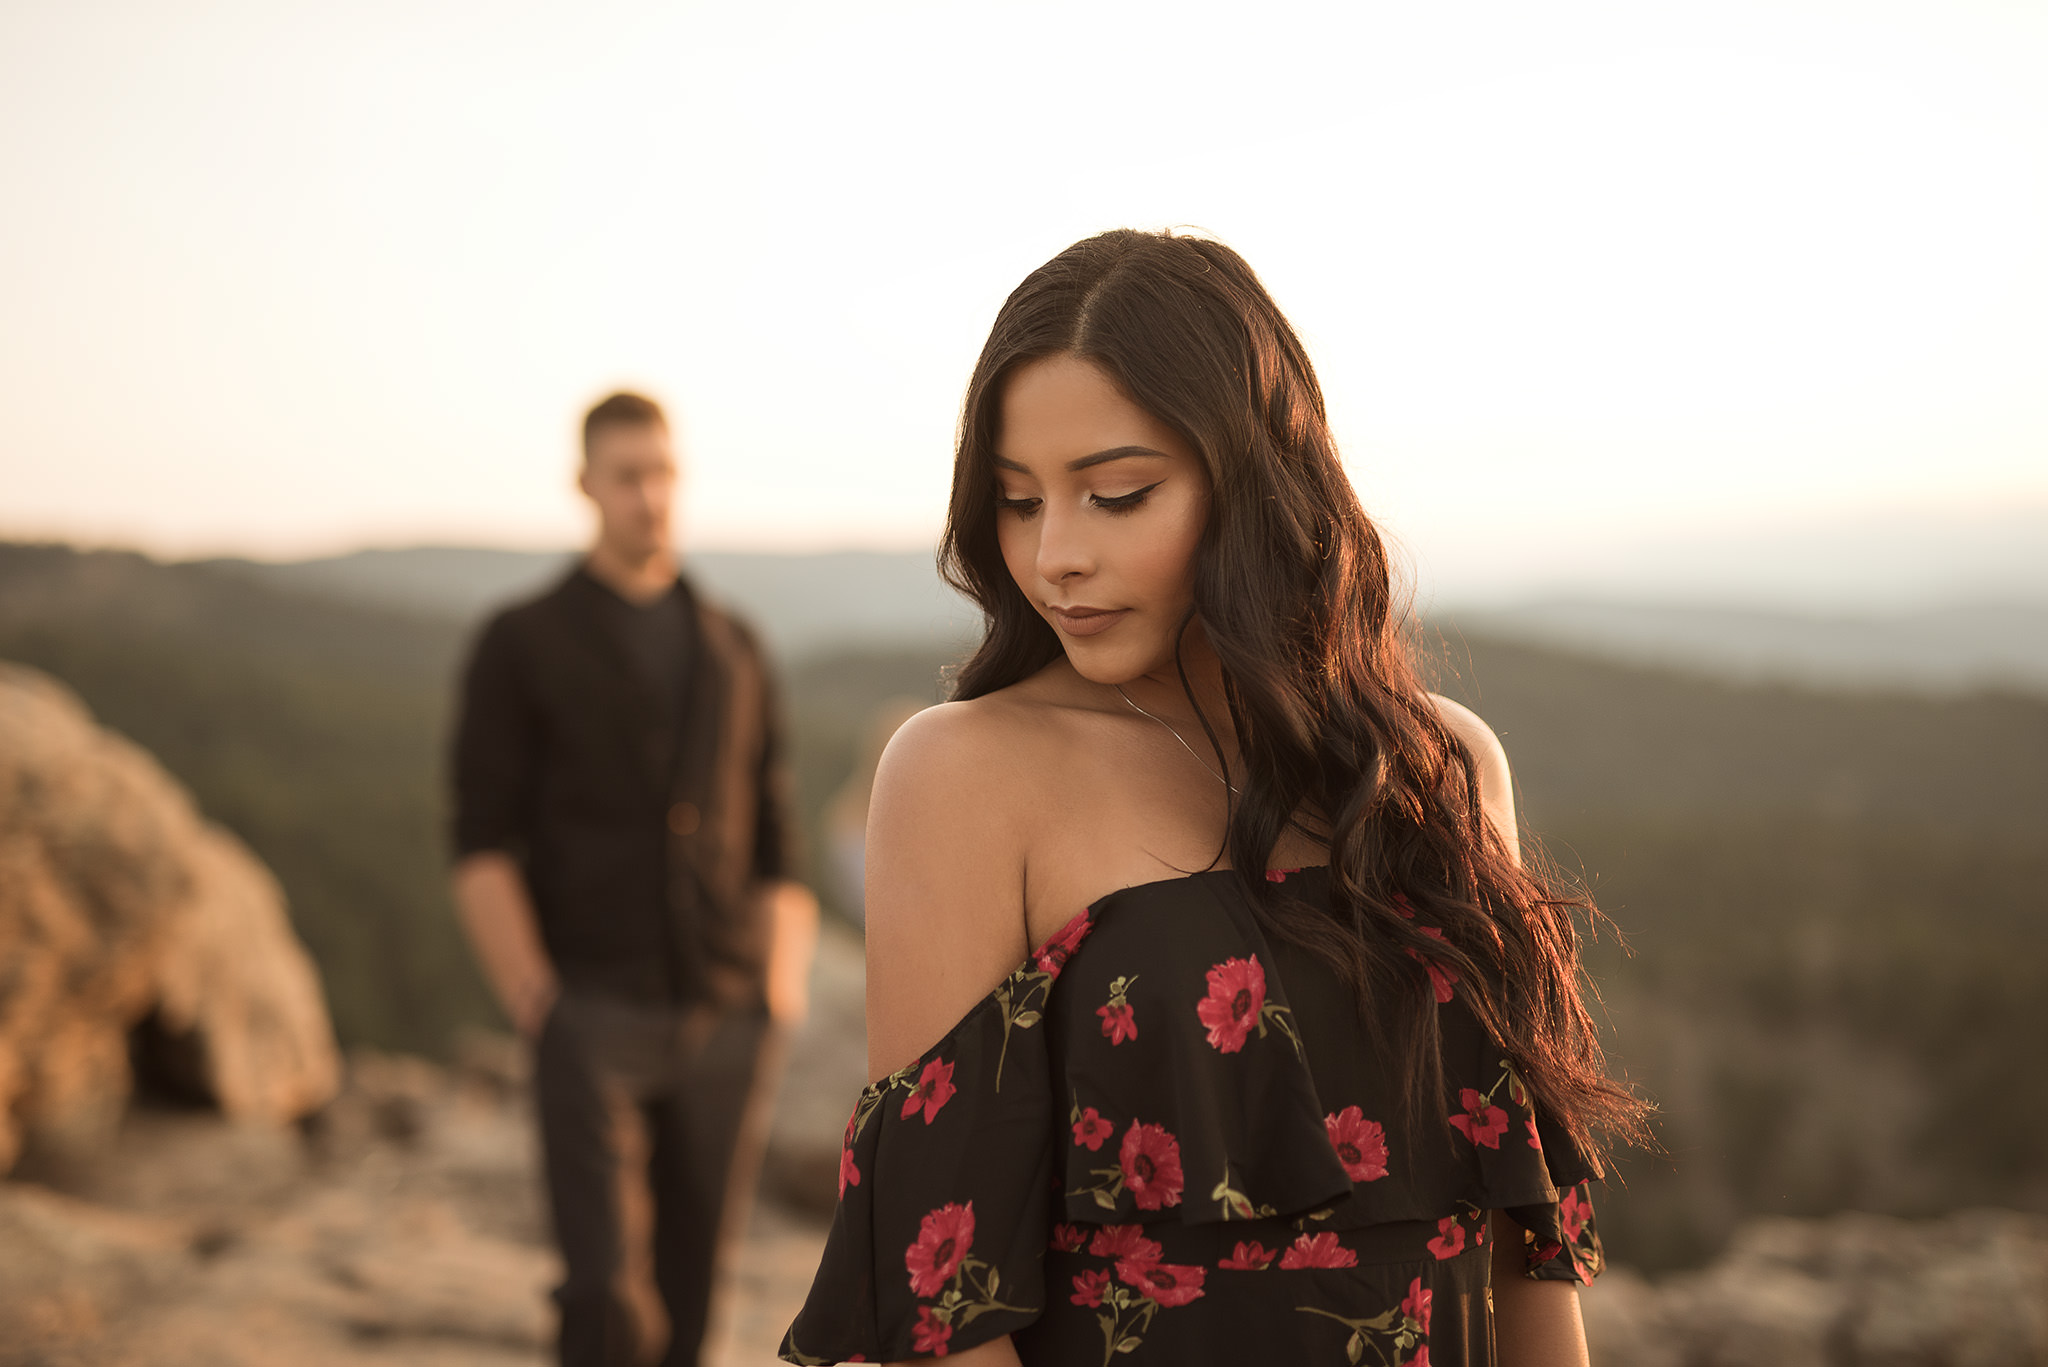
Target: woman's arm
{"type": "Point", "coordinates": [945, 894]}
{"type": "Point", "coordinates": [1535, 1324]}
{"type": "Point", "coordinates": [945, 879]}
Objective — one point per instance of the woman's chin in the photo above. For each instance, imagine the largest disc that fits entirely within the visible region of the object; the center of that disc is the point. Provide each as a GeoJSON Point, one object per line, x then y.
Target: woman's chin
{"type": "Point", "coordinates": [1110, 665]}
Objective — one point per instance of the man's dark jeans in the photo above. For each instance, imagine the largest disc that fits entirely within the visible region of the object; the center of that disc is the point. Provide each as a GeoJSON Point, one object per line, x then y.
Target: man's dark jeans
{"type": "Point", "coordinates": [614, 1079]}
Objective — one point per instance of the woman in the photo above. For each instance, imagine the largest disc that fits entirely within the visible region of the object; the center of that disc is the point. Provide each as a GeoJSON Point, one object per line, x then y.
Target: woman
{"type": "Point", "coordinates": [1212, 1015]}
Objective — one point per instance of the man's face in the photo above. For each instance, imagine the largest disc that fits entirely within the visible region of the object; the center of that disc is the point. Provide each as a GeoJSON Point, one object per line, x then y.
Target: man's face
{"type": "Point", "coordinates": [630, 474]}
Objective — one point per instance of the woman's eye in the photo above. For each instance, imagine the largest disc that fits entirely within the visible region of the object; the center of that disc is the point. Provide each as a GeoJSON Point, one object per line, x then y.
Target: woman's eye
{"type": "Point", "coordinates": [1124, 503]}
{"type": "Point", "coordinates": [1022, 507]}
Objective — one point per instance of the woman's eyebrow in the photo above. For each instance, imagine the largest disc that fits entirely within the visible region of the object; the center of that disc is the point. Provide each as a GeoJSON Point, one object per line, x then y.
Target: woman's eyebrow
{"type": "Point", "coordinates": [1080, 463]}
{"type": "Point", "coordinates": [1114, 453]}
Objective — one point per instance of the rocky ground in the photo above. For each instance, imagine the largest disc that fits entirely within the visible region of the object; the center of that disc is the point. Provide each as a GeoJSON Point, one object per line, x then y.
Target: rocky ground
{"type": "Point", "coordinates": [402, 1223]}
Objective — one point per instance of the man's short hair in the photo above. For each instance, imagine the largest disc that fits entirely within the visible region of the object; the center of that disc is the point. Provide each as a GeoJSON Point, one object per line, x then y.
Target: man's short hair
{"type": "Point", "coordinates": [623, 409]}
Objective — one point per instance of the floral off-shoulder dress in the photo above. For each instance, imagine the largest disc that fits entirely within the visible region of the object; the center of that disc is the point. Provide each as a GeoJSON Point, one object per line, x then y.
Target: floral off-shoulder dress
{"type": "Point", "coordinates": [1164, 1139]}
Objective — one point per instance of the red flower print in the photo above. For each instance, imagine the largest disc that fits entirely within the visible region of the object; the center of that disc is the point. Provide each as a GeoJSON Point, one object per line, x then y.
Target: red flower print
{"type": "Point", "coordinates": [1442, 982]}
{"type": "Point", "coordinates": [1089, 1286]}
{"type": "Point", "coordinates": [1535, 1140]}
{"type": "Point", "coordinates": [1091, 1129]}
{"type": "Point", "coordinates": [1361, 1144]}
{"type": "Point", "coordinates": [1482, 1123]}
{"type": "Point", "coordinates": [934, 1089]}
{"type": "Point", "coordinates": [1317, 1250]}
{"type": "Point", "coordinates": [1279, 875]}
{"type": "Point", "coordinates": [1124, 1242]}
{"type": "Point", "coordinates": [849, 1171]}
{"type": "Point", "coordinates": [1441, 979]}
{"type": "Point", "coordinates": [1237, 993]}
{"type": "Point", "coordinates": [1572, 1213]}
{"type": "Point", "coordinates": [1421, 1358]}
{"type": "Point", "coordinates": [943, 1239]}
{"type": "Point", "coordinates": [1415, 1305]}
{"type": "Point", "coordinates": [1052, 956]}
{"type": "Point", "coordinates": [1450, 1238]}
{"type": "Point", "coordinates": [1250, 1257]}
{"type": "Point", "coordinates": [1151, 1163]}
{"type": "Point", "coordinates": [1168, 1283]}
{"type": "Point", "coordinates": [1119, 1022]}
{"type": "Point", "coordinates": [930, 1333]}
{"type": "Point", "coordinates": [1068, 1238]}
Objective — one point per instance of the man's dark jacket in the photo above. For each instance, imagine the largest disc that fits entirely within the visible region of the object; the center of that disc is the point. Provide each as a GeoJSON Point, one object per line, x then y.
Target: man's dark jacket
{"type": "Point", "coordinates": [640, 846]}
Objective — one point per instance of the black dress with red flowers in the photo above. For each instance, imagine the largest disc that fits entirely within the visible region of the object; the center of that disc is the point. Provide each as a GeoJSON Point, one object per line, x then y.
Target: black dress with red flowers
{"type": "Point", "coordinates": [1165, 1139]}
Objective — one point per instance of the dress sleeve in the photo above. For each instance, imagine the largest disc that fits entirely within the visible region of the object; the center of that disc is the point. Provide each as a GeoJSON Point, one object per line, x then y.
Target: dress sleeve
{"type": "Point", "coordinates": [946, 1188]}
{"type": "Point", "coordinates": [1561, 1242]}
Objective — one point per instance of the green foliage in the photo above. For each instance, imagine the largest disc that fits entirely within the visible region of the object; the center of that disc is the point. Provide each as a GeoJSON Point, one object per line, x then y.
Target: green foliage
{"type": "Point", "coordinates": [1835, 903]}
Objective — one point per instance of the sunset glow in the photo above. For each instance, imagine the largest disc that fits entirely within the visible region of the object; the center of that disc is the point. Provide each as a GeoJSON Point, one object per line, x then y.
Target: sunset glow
{"type": "Point", "coordinates": [1576, 281]}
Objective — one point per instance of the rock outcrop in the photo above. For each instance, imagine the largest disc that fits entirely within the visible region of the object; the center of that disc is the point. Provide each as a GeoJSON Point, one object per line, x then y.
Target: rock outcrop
{"type": "Point", "coordinates": [120, 904]}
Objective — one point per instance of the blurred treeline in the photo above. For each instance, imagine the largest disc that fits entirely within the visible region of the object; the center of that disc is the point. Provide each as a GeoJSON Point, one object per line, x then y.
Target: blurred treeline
{"type": "Point", "coordinates": [1835, 901]}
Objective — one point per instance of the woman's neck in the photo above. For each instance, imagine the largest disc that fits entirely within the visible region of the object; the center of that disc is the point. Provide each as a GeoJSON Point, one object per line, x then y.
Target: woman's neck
{"type": "Point", "coordinates": [1161, 690]}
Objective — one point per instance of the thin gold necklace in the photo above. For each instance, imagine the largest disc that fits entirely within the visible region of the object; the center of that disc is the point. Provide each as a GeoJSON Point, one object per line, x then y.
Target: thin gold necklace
{"type": "Point", "coordinates": [1177, 736]}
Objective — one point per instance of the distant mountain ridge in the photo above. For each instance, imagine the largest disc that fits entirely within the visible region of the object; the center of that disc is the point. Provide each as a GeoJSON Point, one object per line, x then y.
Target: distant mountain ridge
{"type": "Point", "coordinates": [1960, 647]}
{"type": "Point", "coordinates": [804, 604]}
{"type": "Point", "coordinates": [808, 604]}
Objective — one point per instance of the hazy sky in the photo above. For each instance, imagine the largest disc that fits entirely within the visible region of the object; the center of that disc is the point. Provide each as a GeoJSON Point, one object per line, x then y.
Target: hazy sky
{"type": "Point", "coordinates": [1583, 281]}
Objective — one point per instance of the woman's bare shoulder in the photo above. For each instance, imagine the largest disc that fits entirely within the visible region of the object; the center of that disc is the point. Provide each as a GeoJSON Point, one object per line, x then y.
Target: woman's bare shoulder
{"type": "Point", "coordinates": [1490, 758]}
{"type": "Point", "coordinates": [978, 749]}
{"type": "Point", "coordinates": [950, 825]}
{"type": "Point", "coordinates": [1470, 728]}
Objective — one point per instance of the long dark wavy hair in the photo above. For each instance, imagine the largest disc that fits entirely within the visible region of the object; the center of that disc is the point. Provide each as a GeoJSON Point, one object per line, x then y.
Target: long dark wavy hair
{"type": "Point", "coordinates": [1294, 590]}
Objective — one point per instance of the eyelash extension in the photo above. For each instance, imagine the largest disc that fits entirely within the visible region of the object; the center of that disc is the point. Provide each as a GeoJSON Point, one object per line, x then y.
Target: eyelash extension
{"type": "Point", "coordinates": [1122, 503]}
{"type": "Point", "coordinates": [1127, 503]}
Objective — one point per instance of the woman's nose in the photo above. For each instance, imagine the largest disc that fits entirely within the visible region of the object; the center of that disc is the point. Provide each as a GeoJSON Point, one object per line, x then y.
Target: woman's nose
{"type": "Point", "coordinates": [1063, 546]}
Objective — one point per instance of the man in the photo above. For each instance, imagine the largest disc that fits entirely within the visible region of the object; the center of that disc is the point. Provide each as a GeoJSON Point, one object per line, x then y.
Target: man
{"type": "Point", "coordinates": [622, 874]}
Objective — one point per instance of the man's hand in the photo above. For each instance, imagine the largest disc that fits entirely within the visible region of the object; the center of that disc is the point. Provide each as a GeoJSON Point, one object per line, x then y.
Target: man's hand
{"type": "Point", "coordinates": [792, 914]}
{"type": "Point", "coordinates": [497, 915]}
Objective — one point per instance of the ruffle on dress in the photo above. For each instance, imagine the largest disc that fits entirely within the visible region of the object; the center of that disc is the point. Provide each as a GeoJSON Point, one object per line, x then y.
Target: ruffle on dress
{"type": "Point", "coordinates": [1171, 1079]}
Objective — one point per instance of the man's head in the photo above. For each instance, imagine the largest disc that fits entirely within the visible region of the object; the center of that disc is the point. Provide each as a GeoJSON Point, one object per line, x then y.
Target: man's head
{"type": "Point", "coordinates": [629, 473]}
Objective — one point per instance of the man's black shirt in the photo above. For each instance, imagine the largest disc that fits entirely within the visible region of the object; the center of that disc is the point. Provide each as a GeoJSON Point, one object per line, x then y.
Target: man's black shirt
{"type": "Point", "coordinates": [656, 638]}
{"type": "Point", "coordinates": [629, 759]}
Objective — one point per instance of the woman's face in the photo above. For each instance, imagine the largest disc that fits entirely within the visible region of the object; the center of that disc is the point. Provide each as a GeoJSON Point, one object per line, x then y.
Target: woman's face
{"type": "Point", "coordinates": [1101, 507]}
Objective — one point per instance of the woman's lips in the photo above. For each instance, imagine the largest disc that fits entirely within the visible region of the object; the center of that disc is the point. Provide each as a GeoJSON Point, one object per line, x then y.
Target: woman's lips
{"type": "Point", "coordinates": [1088, 621]}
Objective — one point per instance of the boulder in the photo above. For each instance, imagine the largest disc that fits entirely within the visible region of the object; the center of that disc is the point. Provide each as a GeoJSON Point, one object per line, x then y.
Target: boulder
{"type": "Point", "coordinates": [120, 904]}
